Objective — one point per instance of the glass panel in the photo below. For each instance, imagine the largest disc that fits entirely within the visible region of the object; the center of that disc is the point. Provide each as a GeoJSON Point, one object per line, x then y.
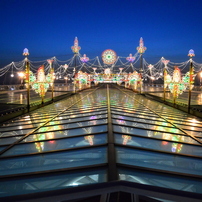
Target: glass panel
{"type": "Point", "coordinates": [161, 180]}
{"type": "Point", "coordinates": [15, 133]}
{"type": "Point", "coordinates": [159, 135]}
{"type": "Point", "coordinates": [53, 145]}
{"type": "Point", "coordinates": [9, 140]}
{"type": "Point", "coordinates": [72, 125]}
{"type": "Point", "coordinates": [52, 161]}
{"type": "Point", "coordinates": [161, 161]}
{"type": "Point", "coordinates": [14, 128]}
{"type": "Point", "coordinates": [153, 117]}
{"type": "Point", "coordinates": [60, 120]}
{"type": "Point", "coordinates": [47, 182]}
{"type": "Point", "coordinates": [159, 145]}
{"type": "Point", "coordinates": [124, 129]}
{"type": "Point", "coordinates": [65, 133]}
{"type": "Point", "coordinates": [139, 119]}
{"type": "Point", "coordinates": [143, 121]}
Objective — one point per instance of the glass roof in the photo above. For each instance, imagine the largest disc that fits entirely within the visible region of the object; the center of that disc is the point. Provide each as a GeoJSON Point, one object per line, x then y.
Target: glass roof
{"type": "Point", "coordinates": [68, 143]}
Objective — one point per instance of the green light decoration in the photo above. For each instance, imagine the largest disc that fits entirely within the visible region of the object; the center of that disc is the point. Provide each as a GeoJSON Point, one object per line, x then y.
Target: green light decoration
{"type": "Point", "coordinates": [133, 80]}
{"type": "Point", "coordinates": [81, 80]}
{"type": "Point", "coordinates": [40, 83]}
{"type": "Point", "coordinates": [177, 84]}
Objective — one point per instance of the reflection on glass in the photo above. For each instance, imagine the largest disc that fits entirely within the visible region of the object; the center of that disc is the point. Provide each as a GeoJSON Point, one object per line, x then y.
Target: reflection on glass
{"type": "Point", "coordinates": [160, 161]}
{"type": "Point", "coordinates": [89, 138]}
{"type": "Point", "coordinates": [161, 180]}
{"type": "Point", "coordinates": [126, 138]}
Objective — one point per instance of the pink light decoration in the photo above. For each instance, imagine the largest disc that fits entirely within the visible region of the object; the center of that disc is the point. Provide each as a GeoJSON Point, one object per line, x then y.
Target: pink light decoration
{"type": "Point", "coordinates": [76, 48]}
{"type": "Point", "coordinates": [121, 69]}
{"type": "Point", "coordinates": [130, 58]}
{"type": "Point", "coordinates": [150, 66]}
{"type": "Point", "coordinates": [84, 59]}
{"type": "Point", "coordinates": [165, 62]}
{"type": "Point", "coordinates": [141, 48]}
{"type": "Point", "coordinates": [65, 66]}
{"type": "Point", "coordinates": [50, 61]}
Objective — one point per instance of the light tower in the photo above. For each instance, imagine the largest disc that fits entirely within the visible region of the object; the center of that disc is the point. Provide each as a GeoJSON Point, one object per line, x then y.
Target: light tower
{"type": "Point", "coordinates": [141, 49]}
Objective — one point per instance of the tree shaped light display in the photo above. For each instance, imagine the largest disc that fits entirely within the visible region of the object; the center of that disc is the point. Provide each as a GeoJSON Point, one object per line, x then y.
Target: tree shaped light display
{"type": "Point", "coordinates": [176, 84]}
{"type": "Point", "coordinates": [81, 80]}
{"type": "Point", "coordinates": [41, 82]}
{"type": "Point", "coordinates": [133, 80]}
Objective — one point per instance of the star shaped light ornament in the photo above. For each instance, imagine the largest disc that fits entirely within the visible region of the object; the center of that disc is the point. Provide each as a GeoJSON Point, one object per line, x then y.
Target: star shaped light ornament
{"type": "Point", "coordinates": [84, 59]}
{"type": "Point", "coordinates": [130, 58]}
{"type": "Point", "coordinates": [76, 48]}
{"type": "Point", "coordinates": [141, 48]}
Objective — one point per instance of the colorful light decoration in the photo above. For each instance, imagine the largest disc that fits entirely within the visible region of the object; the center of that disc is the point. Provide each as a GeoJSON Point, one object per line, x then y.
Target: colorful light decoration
{"type": "Point", "coordinates": [133, 80]}
{"type": "Point", "coordinates": [81, 80]}
{"type": "Point", "coordinates": [177, 84]}
{"type": "Point", "coordinates": [165, 62]}
{"type": "Point", "coordinates": [191, 53]}
{"type": "Point", "coordinates": [42, 82]}
{"type": "Point", "coordinates": [109, 56]}
{"type": "Point", "coordinates": [25, 52]}
{"type": "Point", "coordinates": [141, 48]}
{"type": "Point", "coordinates": [84, 59]}
{"type": "Point", "coordinates": [130, 58]}
{"type": "Point", "coordinates": [76, 48]}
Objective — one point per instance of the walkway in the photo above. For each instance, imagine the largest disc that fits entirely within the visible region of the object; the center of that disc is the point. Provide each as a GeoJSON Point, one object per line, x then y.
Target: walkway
{"type": "Point", "coordinates": [101, 135]}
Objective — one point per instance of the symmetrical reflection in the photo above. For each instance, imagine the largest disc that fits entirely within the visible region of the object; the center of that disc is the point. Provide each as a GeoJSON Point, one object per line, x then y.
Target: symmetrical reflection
{"type": "Point", "coordinates": [73, 133]}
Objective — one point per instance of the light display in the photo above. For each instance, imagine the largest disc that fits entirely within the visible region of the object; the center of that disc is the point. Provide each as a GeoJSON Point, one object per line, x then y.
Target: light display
{"type": "Point", "coordinates": [76, 48]}
{"type": "Point", "coordinates": [176, 86]}
{"type": "Point", "coordinates": [109, 56]}
{"type": "Point", "coordinates": [167, 78]}
{"type": "Point", "coordinates": [130, 58]}
{"type": "Point", "coordinates": [133, 80]}
{"type": "Point", "coordinates": [84, 59]}
{"type": "Point", "coordinates": [141, 48]}
{"type": "Point", "coordinates": [42, 82]}
{"type": "Point", "coordinates": [165, 62]}
{"type": "Point", "coordinates": [81, 80]}
{"type": "Point", "coordinates": [25, 52]}
{"type": "Point", "coordinates": [191, 53]}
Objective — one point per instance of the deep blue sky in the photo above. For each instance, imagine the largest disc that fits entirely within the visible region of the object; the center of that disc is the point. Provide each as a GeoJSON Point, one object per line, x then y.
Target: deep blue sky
{"type": "Point", "coordinates": [48, 28]}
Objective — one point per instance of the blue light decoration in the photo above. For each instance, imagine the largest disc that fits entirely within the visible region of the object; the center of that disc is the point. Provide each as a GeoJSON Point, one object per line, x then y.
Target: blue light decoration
{"type": "Point", "coordinates": [76, 48]}
{"type": "Point", "coordinates": [25, 52]}
{"type": "Point", "coordinates": [191, 53]}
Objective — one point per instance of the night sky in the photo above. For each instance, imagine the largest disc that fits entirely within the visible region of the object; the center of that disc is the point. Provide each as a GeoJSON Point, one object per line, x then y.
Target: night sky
{"type": "Point", "coordinates": [48, 28]}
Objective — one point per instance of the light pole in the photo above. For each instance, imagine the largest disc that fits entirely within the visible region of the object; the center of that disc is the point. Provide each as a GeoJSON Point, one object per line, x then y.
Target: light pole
{"type": "Point", "coordinates": [191, 73]}
{"type": "Point", "coordinates": [27, 76]}
{"type": "Point", "coordinates": [141, 49]}
{"type": "Point", "coordinates": [165, 62]}
{"type": "Point", "coordinates": [52, 73]}
{"type": "Point", "coordinates": [200, 77]}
